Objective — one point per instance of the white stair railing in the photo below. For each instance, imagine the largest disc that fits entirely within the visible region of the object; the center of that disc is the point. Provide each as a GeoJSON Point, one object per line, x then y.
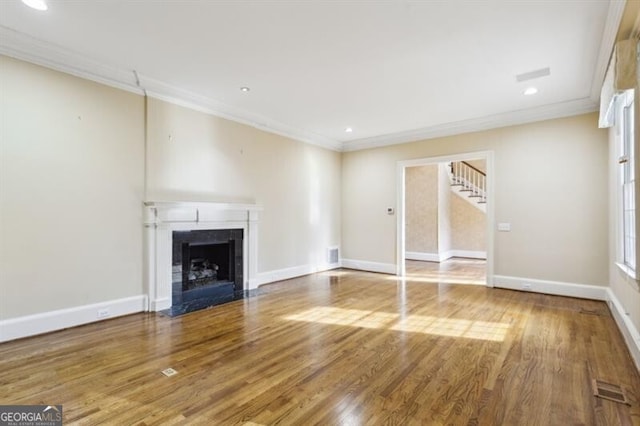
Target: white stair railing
{"type": "Point", "coordinates": [471, 179]}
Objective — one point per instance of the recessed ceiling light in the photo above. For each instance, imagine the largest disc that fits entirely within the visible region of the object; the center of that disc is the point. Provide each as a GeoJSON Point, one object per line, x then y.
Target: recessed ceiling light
{"type": "Point", "coordinates": [36, 4]}
{"type": "Point", "coordinates": [244, 89]}
{"type": "Point", "coordinates": [348, 130]}
{"type": "Point", "coordinates": [530, 91]}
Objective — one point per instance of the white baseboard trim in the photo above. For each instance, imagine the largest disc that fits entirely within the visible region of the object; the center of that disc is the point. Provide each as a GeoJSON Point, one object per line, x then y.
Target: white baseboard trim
{"type": "Point", "coordinates": [288, 273]}
{"type": "Point", "coordinates": [160, 304]}
{"type": "Point", "coordinates": [466, 253]}
{"type": "Point", "coordinates": [425, 257]}
{"type": "Point", "coordinates": [628, 330]}
{"type": "Point", "coordinates": [30, 325]}
{"type": "Point", "coordinates": [363, 265]}
{"type": "Point", "coordinates": [441, 257]}
{"type": "Point", "coordinates": [558, 288]}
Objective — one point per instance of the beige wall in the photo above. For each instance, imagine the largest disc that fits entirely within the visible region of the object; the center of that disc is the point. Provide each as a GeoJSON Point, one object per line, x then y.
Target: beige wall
{"type": "Point", "coordinates": [421, 212]}
{"type": "Point", "coordinates": [468, 226]}
{"type": "Point", "coordinates": [71, 189]}
{"type": "Point", "coordinates": [550, 185]}
{"type": "Point", "coordinates": [195, 156]}
{"type": "Point", "coordinates": [464, 224]}
{"type": "Point", "coordinates": [72, 186]}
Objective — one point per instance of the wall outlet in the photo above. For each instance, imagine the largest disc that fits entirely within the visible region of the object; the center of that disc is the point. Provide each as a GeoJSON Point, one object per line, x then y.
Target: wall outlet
{"type": "Point", "coordinates": [526, 286]}
{"type": "Point", "coordinates": [103, 313]}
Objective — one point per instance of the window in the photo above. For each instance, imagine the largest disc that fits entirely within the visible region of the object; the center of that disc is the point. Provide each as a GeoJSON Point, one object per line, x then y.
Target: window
{"type": "Point", "coordinates": [626, 173]}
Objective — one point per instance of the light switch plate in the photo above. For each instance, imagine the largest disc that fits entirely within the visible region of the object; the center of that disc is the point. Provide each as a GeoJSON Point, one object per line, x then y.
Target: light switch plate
{"type": "Point", "coordinates": [504, 227]}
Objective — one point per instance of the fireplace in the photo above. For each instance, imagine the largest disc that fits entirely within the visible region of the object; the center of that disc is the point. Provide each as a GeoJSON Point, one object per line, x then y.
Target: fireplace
{"type": "Point", "coordinates": [199, 254]}
{"type": "Point", "coordinates": [206, 268]}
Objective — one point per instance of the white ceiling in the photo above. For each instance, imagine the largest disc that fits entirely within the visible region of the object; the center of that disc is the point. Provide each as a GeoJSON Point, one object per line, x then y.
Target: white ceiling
{"type": "Point", "coordinates": [394, 71]}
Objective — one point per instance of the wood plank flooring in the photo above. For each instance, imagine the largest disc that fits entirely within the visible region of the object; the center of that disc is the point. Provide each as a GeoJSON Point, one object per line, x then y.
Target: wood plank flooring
{"type": "Point", "coordinates": [452, 271]}
{"type": "Point", "coordinates": [337, 348]}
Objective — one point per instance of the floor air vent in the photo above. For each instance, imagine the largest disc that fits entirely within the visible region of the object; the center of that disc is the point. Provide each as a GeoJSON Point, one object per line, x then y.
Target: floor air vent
{"type": "Point", "coordinates": [609, 391]}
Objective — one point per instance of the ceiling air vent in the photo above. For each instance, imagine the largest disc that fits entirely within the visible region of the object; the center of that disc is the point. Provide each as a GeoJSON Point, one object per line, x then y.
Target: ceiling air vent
{"type": "Point", "coordinates": [542, 72]}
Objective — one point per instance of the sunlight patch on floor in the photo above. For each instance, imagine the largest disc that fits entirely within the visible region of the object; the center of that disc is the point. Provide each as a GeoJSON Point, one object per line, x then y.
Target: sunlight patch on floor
{"type": "Point", "coordinates": [451, 327]}
{"type": "Point", "coordinates": [482, 330]}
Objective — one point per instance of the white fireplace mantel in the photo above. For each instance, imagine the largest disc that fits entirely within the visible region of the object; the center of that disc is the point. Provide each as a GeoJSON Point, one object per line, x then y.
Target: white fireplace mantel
{"type": "Point", "coordinates": [161, 218]}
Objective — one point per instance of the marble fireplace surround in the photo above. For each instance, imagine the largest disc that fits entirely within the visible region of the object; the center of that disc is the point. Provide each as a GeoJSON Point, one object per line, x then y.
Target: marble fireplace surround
{"type": "Point", "coordinates": [161, 218]}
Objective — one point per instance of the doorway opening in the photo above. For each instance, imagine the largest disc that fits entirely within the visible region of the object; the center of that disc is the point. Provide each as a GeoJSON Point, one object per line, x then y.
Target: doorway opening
{"type": "Point", "coordinates": [445, 219]}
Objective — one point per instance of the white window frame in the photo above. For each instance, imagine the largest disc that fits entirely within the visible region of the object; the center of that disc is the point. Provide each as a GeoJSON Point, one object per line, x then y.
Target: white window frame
{"type": "Point", "coordinates": [625, 183]}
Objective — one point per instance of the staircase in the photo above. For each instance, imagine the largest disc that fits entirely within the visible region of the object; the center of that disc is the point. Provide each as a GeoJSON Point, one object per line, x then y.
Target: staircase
{"type": "Point", "coordinates": [469, 183]}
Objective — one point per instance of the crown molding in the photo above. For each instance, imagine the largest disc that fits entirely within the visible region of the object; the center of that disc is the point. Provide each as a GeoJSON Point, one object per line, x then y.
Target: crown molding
{"type": "Point", "coordinates": [175, 95]}
{"type": "Point", "coordinates": [546, 112]}
{"type": "Point", "coordinates": [21, 46]}
{"type": "Point", "coordinates": [614, 17]}
{"type": "Point", "coordinates": [30, 49]}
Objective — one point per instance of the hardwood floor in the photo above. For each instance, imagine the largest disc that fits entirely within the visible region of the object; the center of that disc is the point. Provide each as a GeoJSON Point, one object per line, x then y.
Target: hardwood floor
{"type": "Point", "coordinates": [340, 347]}
{"type": "Point", "coordinates": [452, 271]}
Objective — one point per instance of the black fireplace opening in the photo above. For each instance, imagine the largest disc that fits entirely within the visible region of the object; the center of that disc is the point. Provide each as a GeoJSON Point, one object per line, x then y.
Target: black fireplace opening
{"type": "Point", "coordinates": [207, 269]}
{"type": "Point", "coordinates": [206, 264]}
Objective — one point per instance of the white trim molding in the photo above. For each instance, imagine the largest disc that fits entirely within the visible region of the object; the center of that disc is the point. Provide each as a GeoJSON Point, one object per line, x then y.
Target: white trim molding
{"type": "Point", "coordinates": [468, 254]}
{"type": "Point", "coordinates": [629, 332]}
{"type": "Point", "coordinates": [162, 218]}
{"type": "Point", "coordinates": [175, 95]}
{"type": "Point", "coordinates": [401, 166]}
{"type": "Point", "coordinates": [31, 325]}
{"type": "Point", "coordinates": [557, 288]}
{"type": "Point", "coordinates": [294, 272]}
{"type": "Point", "coordinates": [441, 257]}
{"type": "Point", "coordinates": [364, 265]}
{"type": "Point", "coordinates": [21, 46]}
{"type": "Point", "coordinates": [24, 47]}
{"type": "Point", "coordinates": [424, 257]}
{"type": "Point", "coordinates": [611, 26]}
{"type": "Point", "coordinates": [531, 115]}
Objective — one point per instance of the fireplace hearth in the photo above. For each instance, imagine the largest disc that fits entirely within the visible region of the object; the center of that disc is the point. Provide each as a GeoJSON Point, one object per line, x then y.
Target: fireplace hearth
{"type": "Point", "coordinates": [207, 269]}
